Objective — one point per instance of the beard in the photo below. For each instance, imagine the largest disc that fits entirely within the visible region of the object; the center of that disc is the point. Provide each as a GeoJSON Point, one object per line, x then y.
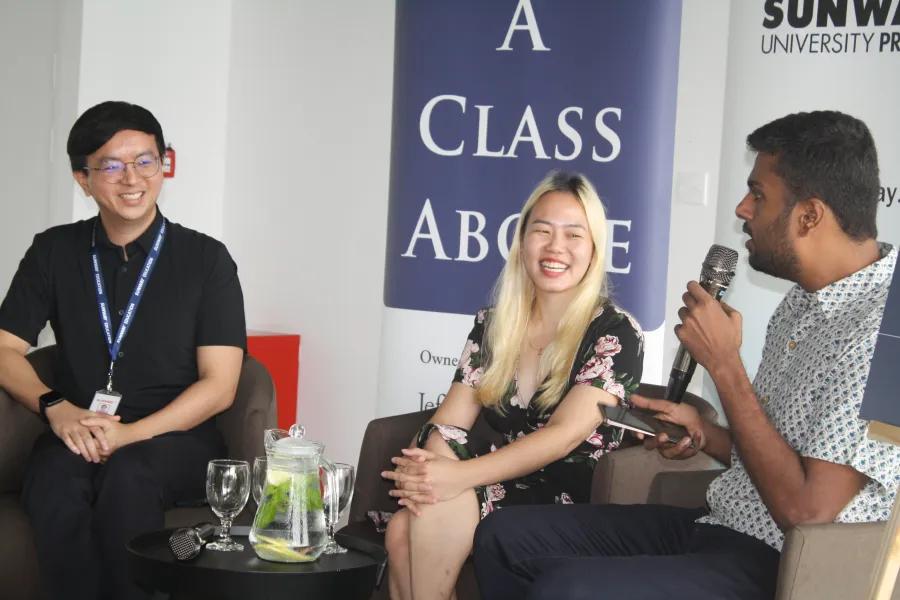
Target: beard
{"type": "Point", "coordinates": [779, 260]}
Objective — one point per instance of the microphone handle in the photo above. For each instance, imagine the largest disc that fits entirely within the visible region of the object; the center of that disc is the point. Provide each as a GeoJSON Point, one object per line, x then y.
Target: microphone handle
{"type": "Point", "coordinates": [205, 531]}
{"type": "Point", "coordinates": [684, 365]}
{"type": "Point", "coordinates": [680, 376]}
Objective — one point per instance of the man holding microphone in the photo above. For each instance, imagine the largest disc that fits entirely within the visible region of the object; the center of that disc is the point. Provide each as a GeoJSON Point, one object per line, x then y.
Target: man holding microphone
{"type": "Point", "coordinates": [796, 451]}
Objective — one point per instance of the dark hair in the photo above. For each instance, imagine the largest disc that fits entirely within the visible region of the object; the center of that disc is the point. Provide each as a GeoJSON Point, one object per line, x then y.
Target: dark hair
{"type": "Point", "coordinates": [99, 123]}
{"type": "Point", "coordinates": [567, 181]}
{"type": "Point", "coordinates": [830, 156]}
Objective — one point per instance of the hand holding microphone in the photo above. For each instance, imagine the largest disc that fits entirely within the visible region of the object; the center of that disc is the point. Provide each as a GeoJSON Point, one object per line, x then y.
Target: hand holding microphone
{"type": "Point", "coordinates": [705, 327]}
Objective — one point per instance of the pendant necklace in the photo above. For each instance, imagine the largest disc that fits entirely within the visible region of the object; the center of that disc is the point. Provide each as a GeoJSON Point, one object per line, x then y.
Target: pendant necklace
{"type": "Point", "coordinates": [540, 349]}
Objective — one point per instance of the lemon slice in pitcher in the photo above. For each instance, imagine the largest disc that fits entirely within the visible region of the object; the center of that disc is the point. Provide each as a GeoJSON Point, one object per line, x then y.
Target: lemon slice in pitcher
{"type": "Point", "coordinates": [275, 477]}
{"type": "Point", "coordinates": [279, 551]}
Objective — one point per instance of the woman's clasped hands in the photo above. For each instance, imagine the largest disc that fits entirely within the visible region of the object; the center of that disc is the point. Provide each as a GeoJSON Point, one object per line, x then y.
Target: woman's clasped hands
{"type": "Point", "coordinates": [424, 477]}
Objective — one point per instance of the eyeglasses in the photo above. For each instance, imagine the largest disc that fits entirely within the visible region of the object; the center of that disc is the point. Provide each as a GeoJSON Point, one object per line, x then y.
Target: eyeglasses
{"type": "Point", "coordinates": [113, 171]}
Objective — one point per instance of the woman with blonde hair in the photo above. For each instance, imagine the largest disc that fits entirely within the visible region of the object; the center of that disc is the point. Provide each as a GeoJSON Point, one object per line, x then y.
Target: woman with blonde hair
{"type": "Point", "coordinates": [542, 363]}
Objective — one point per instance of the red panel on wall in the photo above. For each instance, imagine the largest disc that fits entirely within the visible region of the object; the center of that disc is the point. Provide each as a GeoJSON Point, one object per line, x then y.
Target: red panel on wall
{"type": "Point", "coordinates": [280, 353]}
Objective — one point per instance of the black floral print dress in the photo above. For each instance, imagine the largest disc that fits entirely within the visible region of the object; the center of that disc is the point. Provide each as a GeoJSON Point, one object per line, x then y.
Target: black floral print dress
{"type": "Point", "coordinates": [610, 357]}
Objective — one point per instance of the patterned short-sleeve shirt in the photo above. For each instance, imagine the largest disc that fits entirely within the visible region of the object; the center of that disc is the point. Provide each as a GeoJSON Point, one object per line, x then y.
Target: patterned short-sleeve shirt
{"type": "Point", "coordinates": [816, 358]}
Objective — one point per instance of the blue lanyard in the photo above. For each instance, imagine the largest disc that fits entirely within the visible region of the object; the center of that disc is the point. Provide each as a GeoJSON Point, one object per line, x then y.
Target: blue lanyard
{"type": "Point", "coordinates": [105, 318]}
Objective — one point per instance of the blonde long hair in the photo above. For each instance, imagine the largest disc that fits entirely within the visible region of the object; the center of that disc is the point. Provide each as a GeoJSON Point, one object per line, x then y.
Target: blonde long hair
{"type": "Point", "coordinates": [514, 298]}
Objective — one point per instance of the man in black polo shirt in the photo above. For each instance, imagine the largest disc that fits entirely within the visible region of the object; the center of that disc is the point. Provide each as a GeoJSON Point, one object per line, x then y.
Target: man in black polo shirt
{"type": "Point", "coordinates": [149, 324]}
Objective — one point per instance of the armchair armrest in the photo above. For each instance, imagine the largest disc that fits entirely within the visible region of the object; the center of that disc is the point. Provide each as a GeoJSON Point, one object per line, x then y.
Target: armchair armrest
{"type": "Point", "coordinates": [686, 489]}
{"type": "Point", "coordinates": [19, 427]}
{"type": "Point", "coordinates": [252, 412]}
{"type": "Point", "coordinates": [831, 560]}
{"type": "Point", "coordinates": [626, 476]}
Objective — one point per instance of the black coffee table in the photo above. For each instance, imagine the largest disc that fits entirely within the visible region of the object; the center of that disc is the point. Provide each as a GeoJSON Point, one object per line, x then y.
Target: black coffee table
{"type": "Point", "coordinates": [242, 575]}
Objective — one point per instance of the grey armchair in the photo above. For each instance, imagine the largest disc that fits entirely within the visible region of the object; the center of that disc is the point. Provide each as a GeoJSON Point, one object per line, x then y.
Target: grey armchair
{"type": "Point", "coordinates": [242, 426]}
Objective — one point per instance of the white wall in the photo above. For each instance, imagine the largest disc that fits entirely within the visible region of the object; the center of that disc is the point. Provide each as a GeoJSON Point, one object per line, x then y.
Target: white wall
{"type": "Point", "coordinates": [65, 111]}
{"type": "Point", "coordinates": [306, 194]}
{"type": "Point", "coordinates": [698, 139]}
{"type": "Point", "coordinates": [28, 44]}
{"type": "Point", "coordinates": [171, 57]}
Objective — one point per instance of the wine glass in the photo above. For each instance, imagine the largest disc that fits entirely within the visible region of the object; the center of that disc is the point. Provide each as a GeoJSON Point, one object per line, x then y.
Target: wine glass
{"type": "Point", "coordinates": [227, 488]}
{"type": "Point", "coordinates": [338, 492]}
{"type": "Point", "coordinates": [259, 478]}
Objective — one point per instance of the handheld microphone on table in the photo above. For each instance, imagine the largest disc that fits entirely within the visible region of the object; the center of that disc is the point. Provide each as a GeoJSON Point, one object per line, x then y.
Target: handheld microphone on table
{"type": "Point", "coordinates": [715, 276]}
{"type": "Point", "coordinates": [187, 542]}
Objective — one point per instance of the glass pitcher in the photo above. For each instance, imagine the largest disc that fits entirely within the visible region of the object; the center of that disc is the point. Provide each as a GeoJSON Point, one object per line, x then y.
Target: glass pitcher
{"type": "Point", "coordinates": [289, 525]}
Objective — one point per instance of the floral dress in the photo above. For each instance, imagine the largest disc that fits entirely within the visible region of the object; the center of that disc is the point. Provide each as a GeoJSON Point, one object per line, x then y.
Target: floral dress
{"type": "Point", "coordinates": [610, 357]}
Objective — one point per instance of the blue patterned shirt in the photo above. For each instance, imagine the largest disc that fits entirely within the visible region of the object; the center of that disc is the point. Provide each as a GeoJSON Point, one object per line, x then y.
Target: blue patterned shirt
{"type": "Point", "coordinates": [815, 364]}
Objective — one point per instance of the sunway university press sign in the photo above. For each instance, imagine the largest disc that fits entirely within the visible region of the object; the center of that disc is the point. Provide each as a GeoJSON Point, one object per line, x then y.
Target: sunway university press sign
{"type": "Point", "coordinates": [830, 27]}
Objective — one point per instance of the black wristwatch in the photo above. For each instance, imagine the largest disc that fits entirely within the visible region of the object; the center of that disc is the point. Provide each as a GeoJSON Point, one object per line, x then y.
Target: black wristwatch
{"type": "Point", "coordinates": [51, 398]}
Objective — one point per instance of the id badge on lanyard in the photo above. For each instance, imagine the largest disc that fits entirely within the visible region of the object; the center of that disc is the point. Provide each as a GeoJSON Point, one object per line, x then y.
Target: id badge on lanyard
{"type": "Point", "coordinates": [107, 400]}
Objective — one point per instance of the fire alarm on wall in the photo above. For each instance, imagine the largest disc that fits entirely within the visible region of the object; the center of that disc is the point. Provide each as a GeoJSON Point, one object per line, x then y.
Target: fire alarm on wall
{"type": "Point", "coordinates": [168, 166]}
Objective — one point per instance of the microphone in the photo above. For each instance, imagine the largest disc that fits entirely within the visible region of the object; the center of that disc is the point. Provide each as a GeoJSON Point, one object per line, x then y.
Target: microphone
{"type": "Point", "coordinates": [715, 276]}
{"type": "Point", "coordinates": [187, 542]}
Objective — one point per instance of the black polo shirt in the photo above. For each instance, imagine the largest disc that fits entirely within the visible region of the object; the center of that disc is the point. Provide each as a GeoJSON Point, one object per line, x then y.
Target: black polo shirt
{"type": "Point", "coordinates": [193, 299]}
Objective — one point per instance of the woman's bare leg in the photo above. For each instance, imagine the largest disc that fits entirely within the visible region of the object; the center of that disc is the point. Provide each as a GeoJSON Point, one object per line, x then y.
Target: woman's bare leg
{"type": "Point", "coordinates": [396, 540]}
{"type": "Point", "coordinates": [440, 539]}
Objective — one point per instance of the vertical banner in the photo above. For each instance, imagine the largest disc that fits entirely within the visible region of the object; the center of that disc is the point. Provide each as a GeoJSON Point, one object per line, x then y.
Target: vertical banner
{"type": "Point", "coordinates": [880, 400]}
{"type": "Point", "coordinates": [488, 98]}
{"type": "Point", "coordinates": [789, 56]}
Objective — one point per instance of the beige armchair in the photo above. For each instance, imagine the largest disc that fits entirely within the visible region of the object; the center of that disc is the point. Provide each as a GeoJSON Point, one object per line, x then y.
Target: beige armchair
{"type": "Point", "coordinates": [242, 427]}
{"type": "Point", "coordinates": [829, 561]}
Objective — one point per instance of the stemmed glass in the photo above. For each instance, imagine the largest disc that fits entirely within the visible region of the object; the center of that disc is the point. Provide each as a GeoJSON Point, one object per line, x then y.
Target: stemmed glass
{"type": "Point", "coordinates": [259, 478]}
{"type": "Point", "coordinates": [227, 488]}
{"type": "Point", "coordinates": [338, 492]}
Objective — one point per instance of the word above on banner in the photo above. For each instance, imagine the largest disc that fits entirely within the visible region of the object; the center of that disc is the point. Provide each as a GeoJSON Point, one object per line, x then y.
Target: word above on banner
{"type": "Point", "coordinates": [472, 224]}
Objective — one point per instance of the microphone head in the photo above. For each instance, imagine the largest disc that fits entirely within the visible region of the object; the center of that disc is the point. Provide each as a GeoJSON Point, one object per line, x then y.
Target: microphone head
{"type": "Point", "coordinates": [186, 542]}
{"type": "Point", "coordinates": [718, 266]}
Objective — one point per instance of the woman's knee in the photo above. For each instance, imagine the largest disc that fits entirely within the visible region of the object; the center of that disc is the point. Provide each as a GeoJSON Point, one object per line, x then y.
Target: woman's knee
{"type": "Point", "coordinates": [396, 537]}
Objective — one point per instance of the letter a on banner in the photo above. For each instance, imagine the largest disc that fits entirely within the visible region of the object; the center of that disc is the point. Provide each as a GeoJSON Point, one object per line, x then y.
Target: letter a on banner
{"type": "Point", "coordinates": [530, 25]}
{"type": "Point", "coordinates": [426, 219]}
